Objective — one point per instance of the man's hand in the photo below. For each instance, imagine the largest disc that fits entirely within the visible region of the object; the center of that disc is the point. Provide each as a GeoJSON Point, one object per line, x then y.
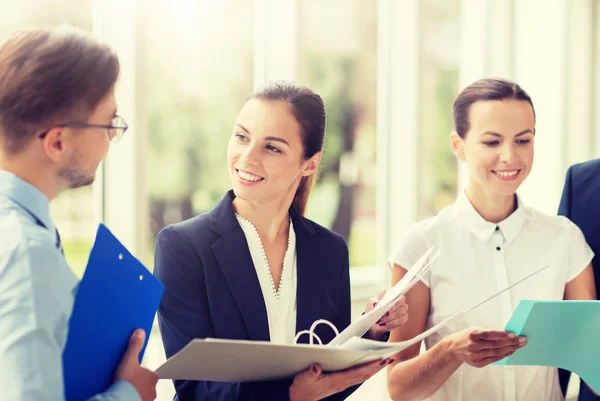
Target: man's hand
{"type": "Point", "coordinates": [143, 380]}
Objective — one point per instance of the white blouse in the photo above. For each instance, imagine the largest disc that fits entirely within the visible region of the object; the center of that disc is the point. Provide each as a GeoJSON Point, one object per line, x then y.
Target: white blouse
{"type": "Point", "coordinates": [477, 259]}
{"type": "Point", "coordinates": [281, 302]}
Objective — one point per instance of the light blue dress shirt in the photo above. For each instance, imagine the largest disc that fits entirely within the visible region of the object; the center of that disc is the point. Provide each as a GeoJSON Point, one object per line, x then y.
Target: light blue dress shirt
{"type": "Point", "coordinates": [36, 299]}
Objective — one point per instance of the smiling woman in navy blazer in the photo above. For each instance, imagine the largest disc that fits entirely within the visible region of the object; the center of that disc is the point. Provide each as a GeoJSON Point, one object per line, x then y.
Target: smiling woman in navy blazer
{"type": "Point", "coordinates": [254, 268]}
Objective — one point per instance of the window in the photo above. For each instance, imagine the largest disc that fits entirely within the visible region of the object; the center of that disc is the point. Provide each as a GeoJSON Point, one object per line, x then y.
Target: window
{"type": "Point", "coordinates": [199, 70]}
{"type": "Point", "coordinates": [439, 61]}
{"type": "Point", "coordinates": [337, 53]}
{"type": "Point", "coordinates": [72, 211]}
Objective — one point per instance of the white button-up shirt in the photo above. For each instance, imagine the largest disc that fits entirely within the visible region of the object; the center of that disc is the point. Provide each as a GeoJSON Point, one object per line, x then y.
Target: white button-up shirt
{"type": "Point", "coordinates": [477, 259]}
{"type": "Point", "coordinates": [281, 302]}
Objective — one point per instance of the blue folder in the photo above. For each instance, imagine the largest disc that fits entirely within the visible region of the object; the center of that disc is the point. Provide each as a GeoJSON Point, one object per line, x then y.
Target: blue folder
{"type": "Point", "coordinates": [562, 334]}
{"type": "Point", "coordinates": [116, 295]}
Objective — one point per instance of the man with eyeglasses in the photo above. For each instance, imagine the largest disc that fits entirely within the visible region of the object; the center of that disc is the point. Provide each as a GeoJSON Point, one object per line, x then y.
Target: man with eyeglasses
{"type": "Point", "coordinates": [57, 117]}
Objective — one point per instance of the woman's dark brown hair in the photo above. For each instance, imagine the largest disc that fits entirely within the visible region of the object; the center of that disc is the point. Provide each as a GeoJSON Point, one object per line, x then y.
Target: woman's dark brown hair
{"type": "Point", "coordinates": [49, 76]}
{"type": "Point", "coordinates": [309, 110]}
{"type": "Point", "coordinates": [482, 90]}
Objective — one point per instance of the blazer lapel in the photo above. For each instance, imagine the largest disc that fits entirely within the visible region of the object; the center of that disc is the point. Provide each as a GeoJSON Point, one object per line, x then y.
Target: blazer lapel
{"type": "Point", "coordinates": [310, 285]}
{"type": "Point", "coordinates": [235, 261]}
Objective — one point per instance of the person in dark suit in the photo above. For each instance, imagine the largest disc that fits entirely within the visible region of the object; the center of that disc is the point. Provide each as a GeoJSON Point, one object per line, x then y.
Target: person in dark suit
{"type": "Point", "coordinates": [579, 202]}
{"type": "Point", "coordinates": [254, 268]}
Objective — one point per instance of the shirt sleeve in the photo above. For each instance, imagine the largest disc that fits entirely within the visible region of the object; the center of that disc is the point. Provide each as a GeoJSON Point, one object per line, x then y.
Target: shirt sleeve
{"type": "Point", "coordinates": [30, 316]}
{"type": "Point", "coordinates": [33, 320]}
{"type": "Point", "coordinates": [119, 391]}
{"type": "Point", "coordinates": [412, 246]}
{"type": "Point", "coordinates": [580, 253]}
{"type": "Point", "coordinates": [564, 207]}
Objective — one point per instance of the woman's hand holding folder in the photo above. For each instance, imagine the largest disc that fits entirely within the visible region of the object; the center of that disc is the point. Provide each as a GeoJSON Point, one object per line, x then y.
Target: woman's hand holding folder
{"type": "Point", "coordinates": [313, 384]}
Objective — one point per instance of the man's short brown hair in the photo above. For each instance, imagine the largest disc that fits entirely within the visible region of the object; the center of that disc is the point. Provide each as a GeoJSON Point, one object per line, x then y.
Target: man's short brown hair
{"type": "Point", "coordinates": [49, 76]}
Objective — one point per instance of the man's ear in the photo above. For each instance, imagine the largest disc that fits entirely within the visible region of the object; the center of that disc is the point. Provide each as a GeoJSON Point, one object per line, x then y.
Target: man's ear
{"type": "Point", "coordinates": [458, 146]}
{"type": "Point", "coordinates": [53, 143]}
{"type": "Point", "coordinates": [312, 165]}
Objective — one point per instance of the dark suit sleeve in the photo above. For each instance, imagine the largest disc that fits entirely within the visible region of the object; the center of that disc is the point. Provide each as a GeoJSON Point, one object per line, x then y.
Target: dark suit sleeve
{"type": "Point", "coordinates": [564, 209]}
{"type": "Point", "coordinates": [184, 315]}
{"type": "Point", "coordinates": [343, 318]}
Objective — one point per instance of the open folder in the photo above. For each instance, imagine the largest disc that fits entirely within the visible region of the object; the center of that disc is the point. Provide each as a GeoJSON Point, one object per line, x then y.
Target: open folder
{"type": "Point", "coordinates": [391, 296]}
{"type": "Point", "coordinates": [243, 361]}
{"type": "Point", "coordinates": [116, 295]}
{"type": "Point", "coordinates": [562, 334]}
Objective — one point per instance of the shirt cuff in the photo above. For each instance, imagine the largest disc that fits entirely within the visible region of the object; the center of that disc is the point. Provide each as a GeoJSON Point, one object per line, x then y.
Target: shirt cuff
{"type": "Point", "coordinates": [123, 391]}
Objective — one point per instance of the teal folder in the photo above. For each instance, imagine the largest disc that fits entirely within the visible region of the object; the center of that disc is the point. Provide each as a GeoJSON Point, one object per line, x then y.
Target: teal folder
{"type": "Point", "coordinates": [116, 295]}
{"type": "Point", "coordinates": [562, 334]}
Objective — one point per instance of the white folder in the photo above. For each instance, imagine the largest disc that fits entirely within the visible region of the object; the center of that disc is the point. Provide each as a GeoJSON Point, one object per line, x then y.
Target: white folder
{"type": "Point", "coordinates": [244, 361]}
{"type": "Point", "coordinates": [214, 359]}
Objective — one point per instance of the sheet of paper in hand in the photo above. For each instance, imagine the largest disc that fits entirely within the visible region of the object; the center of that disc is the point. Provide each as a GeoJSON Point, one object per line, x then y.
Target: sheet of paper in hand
{"type": "Point", "coordinates": [412, 277]}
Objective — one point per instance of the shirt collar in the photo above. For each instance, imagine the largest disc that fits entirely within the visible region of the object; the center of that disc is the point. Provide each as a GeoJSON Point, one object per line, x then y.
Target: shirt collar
{"type": "Point", "coordinates": [27, 197]}
{"type": "Point", "coordinates": [483, 229]}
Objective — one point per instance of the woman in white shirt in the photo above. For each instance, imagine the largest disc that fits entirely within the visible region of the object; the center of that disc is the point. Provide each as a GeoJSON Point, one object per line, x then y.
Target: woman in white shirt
{"type": "Point", "coordinates": [488, 239]}
{"type": "Point", "coordinates": [254, 268]}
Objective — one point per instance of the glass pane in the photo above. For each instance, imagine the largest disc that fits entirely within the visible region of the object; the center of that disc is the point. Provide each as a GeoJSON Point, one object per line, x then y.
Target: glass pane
{"type": "Point", "coordinates": [73, 215]}
{"type": "Point", "coordinates": [72, 211]}
{"type": "Point", "coordinates": [198, 67]}
{"type": "Point", "coordinates": [199, 61]}
{"type": "Point", "coordinates": [437, 170]}
{"type": "Point", "coordinates": [338, 53]}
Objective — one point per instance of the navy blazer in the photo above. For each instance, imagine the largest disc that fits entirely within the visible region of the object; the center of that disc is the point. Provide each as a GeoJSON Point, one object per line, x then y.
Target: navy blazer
{"type": "Point", "coordinates": [212, 290]}
{"type": "Point", "coordinates": [579, 202]}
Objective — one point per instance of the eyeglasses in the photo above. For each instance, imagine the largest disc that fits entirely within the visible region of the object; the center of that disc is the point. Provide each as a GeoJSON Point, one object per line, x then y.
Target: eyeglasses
{"type": "Point", "coordinates": [115, 130]}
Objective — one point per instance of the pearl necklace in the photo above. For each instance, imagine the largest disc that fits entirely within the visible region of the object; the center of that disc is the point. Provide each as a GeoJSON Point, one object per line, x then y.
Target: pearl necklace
{"type": "Point", "coordinates": [276, 291]}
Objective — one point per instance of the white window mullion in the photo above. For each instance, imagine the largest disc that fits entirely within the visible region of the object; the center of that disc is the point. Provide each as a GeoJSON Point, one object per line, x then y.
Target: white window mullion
{"type": "Point", "coordinates": [474, 34]}
{"type": "Point", "coordinates": [121, 189]}
{"type": "Point", "coordinates": [541, 69]}
{"type": "Point", "coordinates": [276, 41]}
{"type": "Point", "coordinates": [486, 48]}
{"type": "Point", "coordinates": [500, 41]}
{"type": "Point", "coordinates": [397, 121]}
{"type": "Point", "coordinates": [579, 100]}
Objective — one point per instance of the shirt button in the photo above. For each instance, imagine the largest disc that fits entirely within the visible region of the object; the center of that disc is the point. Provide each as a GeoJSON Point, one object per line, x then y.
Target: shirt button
{"type": "Point", "coordinates": [497, 228]}
{"type": "Point", "coordinates": [498, 248]}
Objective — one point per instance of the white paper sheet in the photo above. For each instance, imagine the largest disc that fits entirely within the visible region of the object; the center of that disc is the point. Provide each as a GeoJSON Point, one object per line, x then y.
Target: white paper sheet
{"type": "Point", "coordinates": [366, 321]}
